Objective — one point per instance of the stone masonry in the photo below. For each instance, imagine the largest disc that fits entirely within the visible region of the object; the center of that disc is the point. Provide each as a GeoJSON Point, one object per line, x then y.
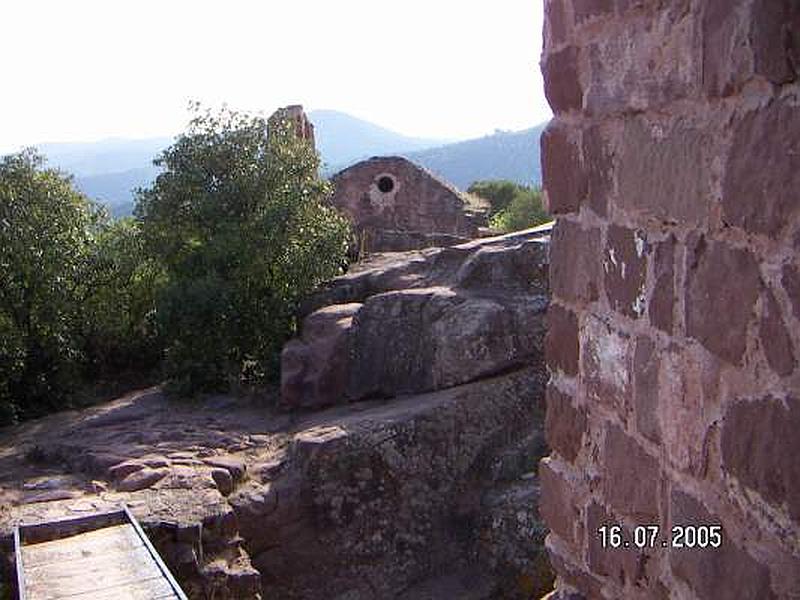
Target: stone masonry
{"type": "Point", "coordinates": [396, 205]}
{"type": "Point", "coordinates": [673, 167]}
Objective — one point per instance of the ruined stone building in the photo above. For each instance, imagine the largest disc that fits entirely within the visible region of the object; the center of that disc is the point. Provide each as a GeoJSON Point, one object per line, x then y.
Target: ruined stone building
{"type": "Point", "coordinates": [673, 166]}
{"type": "Point", "coordinates": [396, 205]}
{"type": "Point", "coordinates": [303, 127]}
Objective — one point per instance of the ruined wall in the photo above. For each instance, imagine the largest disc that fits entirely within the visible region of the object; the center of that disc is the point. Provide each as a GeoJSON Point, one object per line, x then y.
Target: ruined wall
{"type": "Point", "coordinates": [673, 166]}
{"type": "Point", "coordinates": [397, 205]}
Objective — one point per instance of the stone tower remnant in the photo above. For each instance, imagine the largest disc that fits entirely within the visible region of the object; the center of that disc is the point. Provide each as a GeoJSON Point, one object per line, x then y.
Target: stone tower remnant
{"type": "Point", "coordinates": [673, 167]}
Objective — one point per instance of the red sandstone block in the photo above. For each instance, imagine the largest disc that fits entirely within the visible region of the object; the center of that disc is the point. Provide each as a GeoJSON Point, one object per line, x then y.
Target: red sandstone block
{"type": "Point", "coordinates": [555, 22]}
{"type": "Point", "coordinates": [662, 300]}
{"type": "Point", "coordinates": [586, 9]}
{"type": "Point", "coordinates": [625, 268]}
{"type": "Point", "coordinates": [761, 446]}
{"type": "Point", "coordinates": [557, 503]}
{"type": "Point", "coordinates": [561, 343]}
{"type": "Point", "coordinates": [574, 262]}
{"type": "Point", "coordinates": [631, 477]}
{"type": "Point", "coordinates": [715, 573]}
{"type": "Point", "coordinates": [564, 424]}
{"type": "Point", "coordinates": [563, 174]}
{"type": "Point", "coordinates": [622, 565]}
{"type": "Point", "coordinates": [599, 159]}
{"type": "Point", "coordinates": [775, 39]}
{"type": "Point", "coordinates": [667, 171]}
{"type": "Point", "coordinates": [654, 60]}
{"type": "Point", "coordinates": [606, 364]}
{"type": "Point", "coordinates": [573, 575]}
{"type": "Point", "coordinates": [791, 283]}
{"type": "Point", "coordinates": [722, 285]}
{"type": "Point", "coordinates": [646, 365]}
{"type": "Point", "coordinates": [724, 29]}
{"type": "Point", "coordinates": [561, 83]}
{"type": "Point", "coordinates": [775, 339]}
{"type": "Point", "coordinates": [761, 189]}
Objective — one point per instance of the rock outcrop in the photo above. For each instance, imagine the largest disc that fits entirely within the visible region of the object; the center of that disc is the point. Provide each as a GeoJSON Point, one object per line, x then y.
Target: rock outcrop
{"type": "Point", "coordinates": [421, 321]}
{"type": "Point", "coordinates": [424, 488]}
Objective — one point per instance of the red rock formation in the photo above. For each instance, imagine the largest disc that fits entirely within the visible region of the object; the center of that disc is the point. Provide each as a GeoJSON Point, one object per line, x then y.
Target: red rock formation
{"type": "Point", "coordinates": [673, 165]}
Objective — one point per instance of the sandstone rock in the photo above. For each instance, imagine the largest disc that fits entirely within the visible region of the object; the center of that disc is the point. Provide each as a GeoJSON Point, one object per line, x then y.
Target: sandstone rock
{"type": "Point", "coordinates": [557, 504]}
{"type": "Point", "coordinates": [671, 162]}
{"type": "Point", "coordinates": [575, 262]}
{"type": "Point", "coordinates": [625, 268]}
{"type": "Point", "coordinates": [562, 87]}
{"type": "Point", "coordinates": [123, 469]}
{"type": "Point", "coordinates": [235, 466]}
{"type": "Point", "coordinates": [646, 367]}
{"type": "Point", "coordinates": [728, 572]}
{"type": "Point", "coordinates": [462, 313]}
{"type": "Point", "coordinates": [563, 173]}
{"type": "Point", "coordinates": [762, 164]}
{"type": "Point", "coordinates": [565, 424]}
{"type": "Point", "coordinates": [661, 307]}
{"type": "Point", "coordinates": [722, 286]}
{"type": "Point", "coordinates": [775, 338]}
{"type": "Point", "coordinates": [562, 343]}
{"type": "Point", "coordinates": [600, 170]}
{"type": "Point", "coordinates": [759, 446]}
{"type": "Point", "coordinates": [631, 477]}
{"type": "Point", "coordinates": [314, 367]}
{"type": "Point", "coordinates": [141, 479]}
{"type": "Point", "coordinates": [624, 565]}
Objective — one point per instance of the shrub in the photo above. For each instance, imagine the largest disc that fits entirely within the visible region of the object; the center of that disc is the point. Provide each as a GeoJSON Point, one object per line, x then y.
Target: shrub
{"type": "Point", "coordinates": [238, 220]}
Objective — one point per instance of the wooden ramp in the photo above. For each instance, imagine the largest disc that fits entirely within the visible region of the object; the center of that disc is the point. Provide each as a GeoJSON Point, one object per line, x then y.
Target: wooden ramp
{"type": "Point", "coordinates": [98, 557]}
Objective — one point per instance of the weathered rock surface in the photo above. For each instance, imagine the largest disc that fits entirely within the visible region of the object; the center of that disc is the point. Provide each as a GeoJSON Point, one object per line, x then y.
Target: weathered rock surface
{"type": "Point", "coordinates": [419, 322]}
{"type": "Point", "coordinates": [420, 486]}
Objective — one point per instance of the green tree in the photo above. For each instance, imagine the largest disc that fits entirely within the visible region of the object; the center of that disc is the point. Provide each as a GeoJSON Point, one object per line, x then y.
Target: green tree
{"type": "Point", "coordinates": [499, 193]}
{"type": "Point", "coordinates": [119, 311]}
{"type": "Point", "coordinates": [239, 222]}
{"type": "Point", "coordinates": [47, 230]}
{"type": "Point", "coordinates": [514, 206]}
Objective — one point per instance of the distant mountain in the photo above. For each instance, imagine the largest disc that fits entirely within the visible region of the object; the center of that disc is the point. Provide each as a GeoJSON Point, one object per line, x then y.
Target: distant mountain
{"type": "Point", "coordinates": [110, 170]}
{"type": "Point", "coordinates": [343, 139]}
{"type": "Point", "coordinates": [503, 155]}
{"type": "Point", "coordinates": [116, 189]}
{"type": "Point", "coordinates": [107, 156]}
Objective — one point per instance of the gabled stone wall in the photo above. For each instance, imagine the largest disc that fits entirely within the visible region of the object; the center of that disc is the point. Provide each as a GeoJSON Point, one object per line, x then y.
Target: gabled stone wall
{"type": "Point", "coordinates": [673, 166]}
{"type": "Point", "coordinates": [396, 205]}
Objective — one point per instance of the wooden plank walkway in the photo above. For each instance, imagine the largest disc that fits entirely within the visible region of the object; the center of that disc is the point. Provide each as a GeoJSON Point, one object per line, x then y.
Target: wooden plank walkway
{"type": "Point", "coordinates": [99, 557]}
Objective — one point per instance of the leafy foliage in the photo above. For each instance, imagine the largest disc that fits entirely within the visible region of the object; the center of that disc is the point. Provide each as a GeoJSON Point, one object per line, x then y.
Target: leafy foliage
{"type": "Point", "coordinates": [47, 230]}
{"type": "Point", "coordinates": [238, 221]}
{"type": "Point", "coordinates": [514, 206]}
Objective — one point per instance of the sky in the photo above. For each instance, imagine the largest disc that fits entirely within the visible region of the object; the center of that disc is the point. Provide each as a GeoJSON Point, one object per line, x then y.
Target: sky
{"type": "Point", "coordinates": [83, 70]}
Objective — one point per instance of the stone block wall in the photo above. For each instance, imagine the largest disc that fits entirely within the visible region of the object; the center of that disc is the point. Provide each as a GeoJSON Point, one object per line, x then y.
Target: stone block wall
{"type": "Point", "coordinates": [673, 167]}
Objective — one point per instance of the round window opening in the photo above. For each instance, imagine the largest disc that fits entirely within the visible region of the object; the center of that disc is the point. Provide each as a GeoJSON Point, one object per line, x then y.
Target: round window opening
{"type": "Point", "coordinates": [385, 184]}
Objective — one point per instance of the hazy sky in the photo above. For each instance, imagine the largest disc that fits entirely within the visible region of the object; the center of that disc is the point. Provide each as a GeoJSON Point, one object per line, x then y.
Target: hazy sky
{"type": "Point", "coordinates": [76, 70]}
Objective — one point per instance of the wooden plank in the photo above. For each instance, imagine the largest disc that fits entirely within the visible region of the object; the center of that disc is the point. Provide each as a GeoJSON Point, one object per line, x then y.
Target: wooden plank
{"type": "Point", "coordinates": [151, 589]}
{"type": "Point", "coordinates": [51, 530]}
{"type": "Point", "coordinates": [97, 557]}
{"type": "Point", "coordinates": [58, 579]}
{"type": "Point", "coordinates": [156, 556]}
{"type": "Point", "coordinates": [21, 595]}
{"type": "Point", "coordinates": [93, 543]}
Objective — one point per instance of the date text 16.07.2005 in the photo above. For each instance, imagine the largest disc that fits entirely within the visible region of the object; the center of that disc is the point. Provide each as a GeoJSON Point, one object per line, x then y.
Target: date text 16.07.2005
{"type": "Point", "coordinates": [649, 536]}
